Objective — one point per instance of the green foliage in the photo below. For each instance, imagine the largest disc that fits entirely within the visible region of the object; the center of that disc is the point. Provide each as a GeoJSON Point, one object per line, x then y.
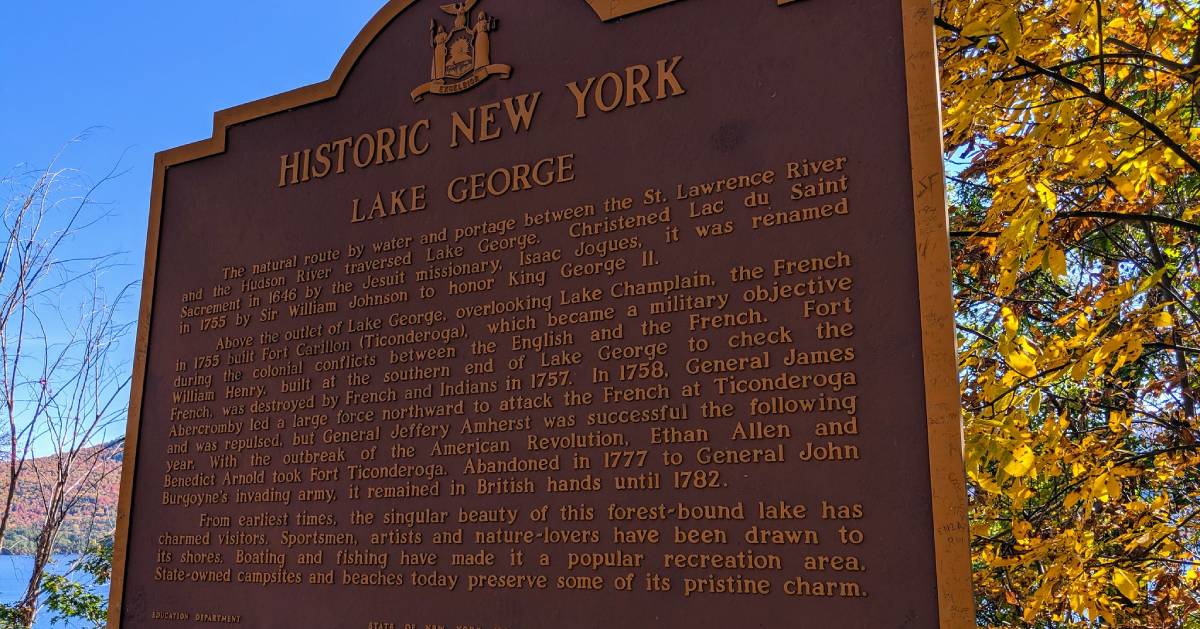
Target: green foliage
{"type": "Point", "coordinates": [66, 598]}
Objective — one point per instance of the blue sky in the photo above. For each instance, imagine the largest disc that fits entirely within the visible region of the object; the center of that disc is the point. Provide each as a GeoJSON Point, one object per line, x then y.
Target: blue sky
{"type": "Point", "coordinates": [143, 77]}
{"type": "Point", "coordinates": [147, 76]}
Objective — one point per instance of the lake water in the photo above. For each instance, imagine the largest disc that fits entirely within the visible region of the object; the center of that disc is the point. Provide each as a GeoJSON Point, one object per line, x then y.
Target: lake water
{"type": "Point", "coordinates": [14, 578]}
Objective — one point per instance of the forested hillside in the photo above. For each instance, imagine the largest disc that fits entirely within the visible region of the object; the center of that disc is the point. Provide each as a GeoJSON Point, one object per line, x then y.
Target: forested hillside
{"type": "Point", "coordinates": [92, 517]}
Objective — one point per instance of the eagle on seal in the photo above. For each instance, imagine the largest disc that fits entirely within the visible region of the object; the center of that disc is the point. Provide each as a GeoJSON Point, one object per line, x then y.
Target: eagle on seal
{"type": "Point", "coordinates": [460, 11]}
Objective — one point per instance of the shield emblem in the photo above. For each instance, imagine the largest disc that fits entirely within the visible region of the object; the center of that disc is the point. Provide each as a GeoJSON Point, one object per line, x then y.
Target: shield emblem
{"type": "Point", "coordinates": [460, 54]}
{"type": "Point", "coordinates": [462, 57]}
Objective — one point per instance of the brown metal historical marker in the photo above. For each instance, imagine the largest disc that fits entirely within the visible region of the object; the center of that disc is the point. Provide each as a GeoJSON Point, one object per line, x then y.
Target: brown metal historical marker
{"type": "Point", "coordinates": [559, 314]}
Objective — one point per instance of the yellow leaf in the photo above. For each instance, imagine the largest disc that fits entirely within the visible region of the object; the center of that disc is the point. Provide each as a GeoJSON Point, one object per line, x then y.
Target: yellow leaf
{"type": "Point", "coordinates": [1129, 187]}
{"type": "Point", "coordinates": [1079, 12]}
{"type": "Point", "coordinates": [1057, 259]}
{"type": "Point", "coordinates": [976, 29]}
{"type": "Point", "coordinates": [1162, 320]}
{"type": "Point", "coordinates": [1010, 30]}
{"type": "Point", "coordinates": [1102, 489]}
{"type": "Point", "coordinates": [1159, 175]}
{"type": "Point", "coordinates": [1021, 463]}
{"type": "Point", "coordinates": [986, 484]}
{"type": "Point", "coordinates": [1111, 345]}
{"type": "Point", "coordinates": [1011, 322]}
{"type": "Point", "coordinates": [1080, 371]}
{"type": "Point", "coordinates": [1023, 364]}
{"type": "Point", "coordinates": [1115, 297]}
{"type": "Point", "coordinates": [1127, 584]}
{"type": "Point", "coordinates": [1126, 471]}
{"type": "Point", "coordinates": [1008, 280]}
{"type": "Point", "coordinates": [1047, 196]}
{"type": "Point", "coordinates": [1022, 531]}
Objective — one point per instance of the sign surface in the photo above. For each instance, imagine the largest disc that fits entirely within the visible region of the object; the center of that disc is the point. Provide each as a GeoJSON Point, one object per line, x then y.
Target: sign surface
{"type": "Point", "coordinates": [548, 313]}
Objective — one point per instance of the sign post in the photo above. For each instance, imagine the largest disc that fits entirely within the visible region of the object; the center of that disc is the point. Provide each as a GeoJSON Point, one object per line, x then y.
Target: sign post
{"type": "Point", "coordinates": [546, 313]}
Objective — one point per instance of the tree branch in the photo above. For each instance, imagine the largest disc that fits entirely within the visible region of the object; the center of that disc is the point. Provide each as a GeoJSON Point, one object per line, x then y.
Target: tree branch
{"type": "Point", "coordinates": [1134, 51]}
{"type": "Point", "coordinates": [1174, 348]}
{"type": "Point", "coordinates": [1100, 98]}
{"type": "Point", "coordinates": [1118, 216]}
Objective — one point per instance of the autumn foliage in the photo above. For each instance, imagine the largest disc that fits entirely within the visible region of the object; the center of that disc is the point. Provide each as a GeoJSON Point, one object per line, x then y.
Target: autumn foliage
{"type": "Point", "coordinates": [1073, 141]}
{"type": "Point", "coordinates": [93, 516]}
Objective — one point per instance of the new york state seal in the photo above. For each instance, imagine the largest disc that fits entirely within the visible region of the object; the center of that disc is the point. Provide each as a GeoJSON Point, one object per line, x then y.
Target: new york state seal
{"type": "Point", "coordinates": [462, 56]}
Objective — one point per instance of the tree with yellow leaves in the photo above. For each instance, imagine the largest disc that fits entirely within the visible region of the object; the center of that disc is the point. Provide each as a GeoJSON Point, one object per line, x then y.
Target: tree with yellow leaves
{"type": "Point", "coordinates": [1073, 137]}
